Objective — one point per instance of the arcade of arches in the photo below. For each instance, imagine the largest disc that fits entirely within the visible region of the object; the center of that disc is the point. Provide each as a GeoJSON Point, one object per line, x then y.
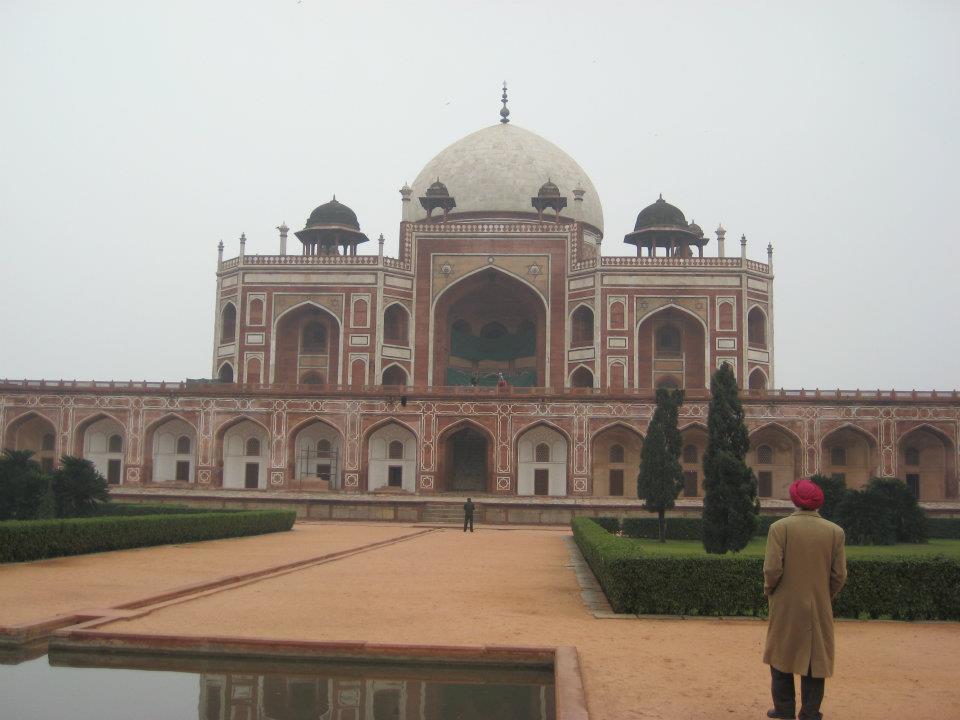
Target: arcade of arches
{"type": "Point", "coordinates": [489, 324]}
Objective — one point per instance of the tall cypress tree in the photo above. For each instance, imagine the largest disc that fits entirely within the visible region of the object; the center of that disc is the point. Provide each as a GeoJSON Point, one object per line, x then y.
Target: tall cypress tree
{"type": "Point", "coordinates": [661, 476]}
{"type": "Point", "coordinates": [730, 489]}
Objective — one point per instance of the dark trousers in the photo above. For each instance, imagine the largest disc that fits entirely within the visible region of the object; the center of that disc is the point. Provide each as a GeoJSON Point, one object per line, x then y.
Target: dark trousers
{"type": "Point", "coordinates": [468, 520]}
{"type": "Point", "coordinates": [784, 697]}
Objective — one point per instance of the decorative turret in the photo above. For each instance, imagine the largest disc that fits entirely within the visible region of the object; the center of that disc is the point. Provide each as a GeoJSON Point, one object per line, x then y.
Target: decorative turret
{"type": "Point", "coordinates": [664, 225]}
{"type": "Point", "coordinates": [437, 196]}
{"type": "Point", "coordinates": [549, 197]}
{"type": "Point", "coordinates": [331, 227]}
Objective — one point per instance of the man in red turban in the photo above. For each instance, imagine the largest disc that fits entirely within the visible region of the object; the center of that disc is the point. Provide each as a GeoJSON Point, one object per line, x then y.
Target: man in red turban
{"type": "Point", "coordinates": [804, 569]}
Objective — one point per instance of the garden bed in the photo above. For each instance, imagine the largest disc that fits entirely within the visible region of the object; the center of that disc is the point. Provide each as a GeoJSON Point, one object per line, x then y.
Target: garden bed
{"type": "Point", "coordinates": [904, 582]}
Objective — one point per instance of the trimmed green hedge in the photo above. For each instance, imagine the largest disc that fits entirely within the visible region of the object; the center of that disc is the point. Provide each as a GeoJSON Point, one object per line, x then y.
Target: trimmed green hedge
{"type": "Point", "coordinates": [943, 528]}
{"type": "Point", "coordinates": [641, 582]}
{"type": "Point", "coordinates": [679, 528]}
{"type": "Point", "coordinates": [22, 540]}
{"type": "Point", "coordinates": [115, 509]}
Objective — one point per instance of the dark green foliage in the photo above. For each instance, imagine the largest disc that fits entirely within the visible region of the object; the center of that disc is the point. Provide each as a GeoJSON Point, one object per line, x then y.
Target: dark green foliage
{"type": "Point", "coordinates": [24, 490]}
{"type": "Point", "coordinates": [681, 528]}
{"type": "Point", "coordinates": [910, 522]}
{"type": "Point", "coordinates": [661, 476]}
{"type": "Point", "coordinates": [610, 524]}
{"type": "Point", "coordinates": [131, 509]}
{"type": "Point", "coordinates": [943, 528]}
{"type": "Point", "coordinates": [729, 487]}
{"type": "Point", "coordinates": [35, 539]}
{"type": "Point", "coordinates": [834, 490]}
{"type": "Point", "coordinates": [78, 488]}
{"type": "Point", "coordinates": [883, 513]}
{"type": "Point", "coordinates": [641, 582]}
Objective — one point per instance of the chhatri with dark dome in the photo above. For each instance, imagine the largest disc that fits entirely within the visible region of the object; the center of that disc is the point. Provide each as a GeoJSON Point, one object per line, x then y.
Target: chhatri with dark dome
{"type": "Point", "coordinates": [497, 351]}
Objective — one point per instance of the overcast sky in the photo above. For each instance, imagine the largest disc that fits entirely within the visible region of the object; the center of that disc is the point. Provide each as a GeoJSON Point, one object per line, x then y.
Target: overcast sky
{"type": "Point", "coordinates": [134, 136]}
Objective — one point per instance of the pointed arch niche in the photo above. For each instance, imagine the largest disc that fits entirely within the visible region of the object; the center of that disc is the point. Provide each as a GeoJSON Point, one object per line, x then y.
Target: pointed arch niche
{"type": "Point", "coordinates": [392, 458]}
{"type": "Point", "coordinates": [104, 444]}
{"type": "Point", "coordinates": [615, 454]}
{"type": "Point", "coordinates": [671, 343]}
{"type": "Point", "coordinates": [173, 451]}
{"type": "Point", "coordinates": [466, 458]}
{"type": "Point", "coordinates": [244, 455]}
{"type": "Point", "coordinates": [307, 341]}
{"type": "Point", "coordinates": [926, 462]}
{"type": "Point", "coordinates": [489, 323]}
{"type": "Point", "coordinates": [315, 455]}
{"type": "Point", "coordinates": [851, 454]}
{"type": "Point", "coordinates": [776, 456]}
{"type": "Point", "coordinates": [36, 433]}
{"type": "Point", "coordinates": [542, 462]}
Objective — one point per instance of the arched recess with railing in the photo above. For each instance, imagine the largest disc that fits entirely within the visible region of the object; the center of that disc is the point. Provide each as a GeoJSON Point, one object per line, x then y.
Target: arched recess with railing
{"type": "Point", "coordinates": [315, 455]}
{"type": "Point", "coordinates": [306, 340]}
{"type": "Point", "coordinates": [672, 343]}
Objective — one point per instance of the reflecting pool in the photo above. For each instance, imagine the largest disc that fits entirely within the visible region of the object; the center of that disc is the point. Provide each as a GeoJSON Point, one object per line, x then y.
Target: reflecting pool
{"type": "Point", "coordinates": [99, 686]}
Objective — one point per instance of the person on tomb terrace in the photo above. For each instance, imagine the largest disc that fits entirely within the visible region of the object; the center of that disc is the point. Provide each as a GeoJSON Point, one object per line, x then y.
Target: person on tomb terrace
{"type": "Point", "coordinates": [468, 514]}
{"type": "Point", "coordinates": [804, 569]}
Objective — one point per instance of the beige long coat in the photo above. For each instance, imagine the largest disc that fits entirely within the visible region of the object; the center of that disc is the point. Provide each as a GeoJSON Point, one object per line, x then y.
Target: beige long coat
{"type": "Point", "coordinates": [804, 568]}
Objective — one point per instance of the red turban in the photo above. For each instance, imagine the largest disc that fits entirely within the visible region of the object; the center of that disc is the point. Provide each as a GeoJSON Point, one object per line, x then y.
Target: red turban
{"type": "Point", "coordinates": [806, 495]}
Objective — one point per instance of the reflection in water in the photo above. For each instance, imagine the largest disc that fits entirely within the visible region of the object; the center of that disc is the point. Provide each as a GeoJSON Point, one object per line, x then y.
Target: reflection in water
{"type": "Point", "coordinates": [258, 689]}
{"type": "Point", "coordinates": [235, 696]}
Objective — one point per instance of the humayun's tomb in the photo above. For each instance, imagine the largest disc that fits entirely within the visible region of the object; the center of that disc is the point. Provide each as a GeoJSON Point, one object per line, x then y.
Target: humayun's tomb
{"type": "Point", "coordinates": [343, 372]}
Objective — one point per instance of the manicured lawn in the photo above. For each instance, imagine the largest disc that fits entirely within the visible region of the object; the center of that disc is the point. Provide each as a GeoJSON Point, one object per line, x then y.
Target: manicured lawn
{"type": "Point", "coordinates": [757, 546]}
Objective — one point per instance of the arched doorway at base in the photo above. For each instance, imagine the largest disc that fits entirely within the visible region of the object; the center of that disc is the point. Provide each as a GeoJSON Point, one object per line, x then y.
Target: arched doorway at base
{"type": "Point", "coordinates": [466, 466]}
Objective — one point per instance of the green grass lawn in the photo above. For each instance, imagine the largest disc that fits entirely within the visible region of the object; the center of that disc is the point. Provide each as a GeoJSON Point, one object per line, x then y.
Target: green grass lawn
{"type": "Point", "coordinates": [947, 548]}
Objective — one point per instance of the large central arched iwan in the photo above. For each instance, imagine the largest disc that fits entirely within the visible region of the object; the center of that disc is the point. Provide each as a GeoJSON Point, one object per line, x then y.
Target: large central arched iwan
{"type": "Point", "coordinates": [489, 324]}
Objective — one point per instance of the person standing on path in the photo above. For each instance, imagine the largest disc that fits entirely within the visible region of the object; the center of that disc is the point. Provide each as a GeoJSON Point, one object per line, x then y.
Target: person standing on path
{"type": "Point", "coordinates": [804, 569]}
{"type": "Point", "coordinates": [468, 514]}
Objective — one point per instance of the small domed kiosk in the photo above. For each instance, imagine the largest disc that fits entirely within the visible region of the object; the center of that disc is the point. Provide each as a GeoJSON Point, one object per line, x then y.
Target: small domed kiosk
{"type": "Point", "coordinates": [331, 228]}
{"type": "Point", "coordinates": [664, 225]}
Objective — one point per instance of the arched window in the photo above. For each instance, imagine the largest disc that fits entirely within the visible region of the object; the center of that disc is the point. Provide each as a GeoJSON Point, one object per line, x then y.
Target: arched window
{"type": "Point", "coordinates": [757, 328]}
{"type": "Point", "coordinates": [690, 454]}
{"type": "Point", "coordinates": [541, 453]}
{"type": "Point", "coordinates": [228, 324]}
{"type": "Point", "coordinates": [616, 376]}
{"type": "Point", "coordinates": [255, 312]}
{"type": "Point", "coordinates": [394, 375]}
{"type": "Point", "coordinates": [493, 330]}
{"type": "Point", "coordinates": [253, 370]}
{"type": "Point", "coordinates": [912, 456]}
{"type": "Point", "coordinates": [726, 316]}
{"type": "Point", "coordinates": [395, 450]}
{"type": "Point", "coordinates": [581, 378]}
{"type": "Point", "coordinates": [183, 445]}
{"type": "Point", "coordinates": [395, 325]}
{"type": "Point", "coordinates": [764, 455]}
{"type": "Point", "coordinates": [47, 442]}
{"type": "Point", "coordinates": [226, 373]}
{"type": "Point", "coordinates": [314, 338]}
{"type": "Point", "coordinates": [323, 448]}
{"type": "Point", "coordinates": [616, 315]}
{"type": "Point", "coordinates": [253, 447]}
{"type": "Point", "coordinates": [758, 381]}
{"type": "Point", "coordinates": [668, 340]}
{"type": "Point", "coordinates": [616, 453]}
{"type": "Point", "coordinates": [838, 456]}
{"type": "Point", "coordinates": [581, 327]}
{"type": "Point", "coordinates": [312, 378]}
{"type": "Point", "coordinates": [115, 444]}
{"type": "Point", "coordinates": [360, 312]}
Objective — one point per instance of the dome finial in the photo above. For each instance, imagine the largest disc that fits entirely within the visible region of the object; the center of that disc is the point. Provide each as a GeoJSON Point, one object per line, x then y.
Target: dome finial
{"type": "Point", "coordinates": [504, 111]}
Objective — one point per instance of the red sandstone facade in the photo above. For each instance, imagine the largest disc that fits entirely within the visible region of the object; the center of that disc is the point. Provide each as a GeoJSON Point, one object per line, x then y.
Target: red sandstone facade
{"type": "Point", "coordinates": [350, 372]}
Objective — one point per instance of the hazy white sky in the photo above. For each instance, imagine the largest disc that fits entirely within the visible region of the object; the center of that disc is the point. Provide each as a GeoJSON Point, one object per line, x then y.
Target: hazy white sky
{"type": "Point", "coordinates": [135, 135]}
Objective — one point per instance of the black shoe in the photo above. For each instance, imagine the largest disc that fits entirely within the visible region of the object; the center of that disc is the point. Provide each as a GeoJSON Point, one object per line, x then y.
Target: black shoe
{"type": "Point", "coordinates": [774, 713]}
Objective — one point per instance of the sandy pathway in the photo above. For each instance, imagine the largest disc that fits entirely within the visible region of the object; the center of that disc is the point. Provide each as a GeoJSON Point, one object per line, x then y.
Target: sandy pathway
{"type": "Point", "coordinates": [513, 587]}
{"type": "Point", "coordinates": [36, 590]}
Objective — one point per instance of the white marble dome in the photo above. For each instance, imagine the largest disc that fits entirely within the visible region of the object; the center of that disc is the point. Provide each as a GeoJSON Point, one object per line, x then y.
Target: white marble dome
{"type": "Point", "coordinates": [499, 168]}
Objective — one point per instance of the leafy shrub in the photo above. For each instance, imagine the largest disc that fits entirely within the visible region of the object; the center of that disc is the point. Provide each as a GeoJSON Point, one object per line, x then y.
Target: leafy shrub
{"type": "Point", "coordinates": [610, 524]}
{"type": "Point", "coordinates": [134, 509]}
{"type": "Point", "coordinates": [834, 490]}
{"type": "Point", "coordinates": [24, 489]}
{"type": "Point", "coordinates": [645, 582]}
{"type": "Point", "coordinates": [883, 513]}
{"type": "Point", "coordinates": [78, 488]}
{"type": "Point", "coordinates": [35, 539]}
